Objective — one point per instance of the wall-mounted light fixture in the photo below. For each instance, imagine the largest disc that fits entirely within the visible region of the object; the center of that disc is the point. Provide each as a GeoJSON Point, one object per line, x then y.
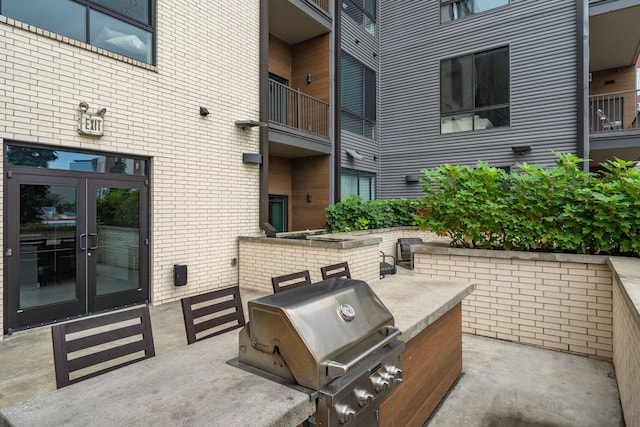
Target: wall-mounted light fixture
{"type": "Point", "coordinates": [309, 78]}
{"type": "Point", "coordinates": [521, 149]}
{"type": "Point", "coordinates": [309, 197]}
{"type": "Point", "coordinates": [354, 154]}
{"type": "Point", "coordinates": [412, 178]}
{"type": "Point", "coordinates": [244, 124]}
{"type": "Point", "coordinates": [91, 124]}
{"type": "Point", "coordinates": [255, 158]}
{"type": "Point", "coordinates": [204, 112]}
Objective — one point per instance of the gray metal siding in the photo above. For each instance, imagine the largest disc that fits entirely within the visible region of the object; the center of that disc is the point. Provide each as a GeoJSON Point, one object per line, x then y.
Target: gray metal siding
{"type": "Point", "coordinates": [542, 41]}
{"type": "Point", "coordinates": [364, 52]}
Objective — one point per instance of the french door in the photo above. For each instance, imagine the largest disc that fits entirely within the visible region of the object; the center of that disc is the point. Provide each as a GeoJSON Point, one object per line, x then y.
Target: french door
{"type": "Point", "coordinates": [76, 244]}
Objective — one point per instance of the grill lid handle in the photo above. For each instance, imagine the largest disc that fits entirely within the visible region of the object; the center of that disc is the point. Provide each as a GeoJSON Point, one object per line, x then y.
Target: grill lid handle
{"type": "Point", "coordinates": [337, 369]}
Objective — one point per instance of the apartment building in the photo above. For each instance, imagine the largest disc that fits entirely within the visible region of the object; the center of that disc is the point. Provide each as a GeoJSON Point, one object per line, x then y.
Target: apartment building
{"type": "Point", "coordinates": [146, 134]}
{"type": "Point", "coordinates": [504, 81]}
{"type": "Point", "coordinates": [121, 152]}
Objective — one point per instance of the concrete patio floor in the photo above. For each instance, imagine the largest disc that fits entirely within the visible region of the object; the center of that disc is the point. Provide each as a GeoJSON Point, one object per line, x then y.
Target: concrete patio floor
{"type": "Point", "coordinates": [503, 384]}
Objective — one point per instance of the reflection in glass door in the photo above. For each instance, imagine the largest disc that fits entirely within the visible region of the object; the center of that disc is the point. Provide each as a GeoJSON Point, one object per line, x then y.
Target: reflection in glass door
{"type": "Point", "coordinates": [75, 246]}
{"type": "Point", "coordinates": [48, 227]}
{"type": "Point", "coordinates": [118, 240]}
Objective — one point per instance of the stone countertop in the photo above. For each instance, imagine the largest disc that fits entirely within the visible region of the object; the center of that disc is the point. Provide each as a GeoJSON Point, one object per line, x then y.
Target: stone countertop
{"type": "Point", "coordinates": [627, 274]}
{"type": "Point", "coordinates": [195, 386]}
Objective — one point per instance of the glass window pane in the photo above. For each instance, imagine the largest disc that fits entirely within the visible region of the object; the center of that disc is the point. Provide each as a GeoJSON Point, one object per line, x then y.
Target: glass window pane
{"type": "Point", "coordinates": [352, 84]}
{"type": "Point", "coordinates": [135, 9]}
{"type": "Point", "coordinates": [456, 10]}
{"type": "Point", "coordinates": [353, 11]}
{"type": "Point", "coordinates": [120, 37]}
{"type": "Point", "coordinates": [68, 160]}
{"type": "Point", "coordinates": [456, 84]}
{"type": "Point", "coordinates": [370, 8]}
{"type": "Point", "coordinates": [348, 184]}
{"type": "Point", "coordinates": [457, 123]}
{"type": "Point", "coordinates": [369, 25]}
{"type": "Point", "coordinates": [351, 123]}
{"type": "Point", "coordinates": [492, 118]}
{"type": "Point", "coordinates": [492, 77]}
{"type": "Point", "coordinates": [63, 17]}
{"type": "Point", "coordinates": [369, 94]}
{"type": "Point", "coordinates": [482, 5]}
{"type": "Point", "coordinates": [47, 244]}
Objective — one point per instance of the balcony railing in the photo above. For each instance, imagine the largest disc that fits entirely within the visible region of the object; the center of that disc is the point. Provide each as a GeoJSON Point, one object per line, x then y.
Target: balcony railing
{"type": "Point", "coordinates": [322, 4]}
{"type": "Point", "coordinates": [294, 109]}
{"type": "Point", "coordinates": [614, 111]}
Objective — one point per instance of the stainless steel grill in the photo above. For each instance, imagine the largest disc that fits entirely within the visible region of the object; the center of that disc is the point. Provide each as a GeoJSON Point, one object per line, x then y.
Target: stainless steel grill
{"type": "Point", "coordinates": [334, 339]}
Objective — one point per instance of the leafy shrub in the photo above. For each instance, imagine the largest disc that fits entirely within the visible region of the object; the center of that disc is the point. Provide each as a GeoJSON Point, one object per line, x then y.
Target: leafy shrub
{"type": "Point", "coordinates": [355, 214]}
{"type": "Point", "coordinates": [563, 208]}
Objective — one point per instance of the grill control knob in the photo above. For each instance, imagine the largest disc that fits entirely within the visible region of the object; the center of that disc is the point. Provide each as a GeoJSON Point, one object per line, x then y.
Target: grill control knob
{"type": "Point", "coordinates": [379, 384]}
{"type": "Point", "coordinates": [363, 396]}
{"type": "Point", "coordinates": [395, 373]}
{"type": "Point", "coordinates": [345, 414]}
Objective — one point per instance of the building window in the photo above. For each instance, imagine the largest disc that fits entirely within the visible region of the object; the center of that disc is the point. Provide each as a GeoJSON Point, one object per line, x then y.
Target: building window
{"type": "Point", "coordinates": [359, 183]}
{"type": "Point", "coordinates": [358, 97]}
{"type": "Point", "coordinates": [121, 26]}
{"type": "Point", "coordinates": [474, 91]}
{"type": "Point", "coordinates": [450, 10]}
{"type": "Point", "coordinates": [363, 12]}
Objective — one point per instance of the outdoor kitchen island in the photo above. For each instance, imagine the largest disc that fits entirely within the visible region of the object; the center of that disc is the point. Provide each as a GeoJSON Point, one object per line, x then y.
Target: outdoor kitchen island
{"type": "Point", "coordinates": [195, 386]}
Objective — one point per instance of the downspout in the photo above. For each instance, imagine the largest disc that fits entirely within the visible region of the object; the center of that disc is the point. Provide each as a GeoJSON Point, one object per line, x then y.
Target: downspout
{"type": "Point", "coordinates": [263, 212]}
{"type": "Point", "coordinates": [582, 98]}
{"type": "Point", "coordinates": [337, 145]}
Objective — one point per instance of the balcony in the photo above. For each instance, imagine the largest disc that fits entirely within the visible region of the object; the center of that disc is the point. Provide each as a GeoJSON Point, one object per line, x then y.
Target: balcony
{"type": "Point", "coordinates": [614, 111]}
{"type": "Point", "coordinates": [322, 4]}
{"type": "Point", "coordinates": [614, 128]}
{"type": "Point", "coordinates": [297, 111]}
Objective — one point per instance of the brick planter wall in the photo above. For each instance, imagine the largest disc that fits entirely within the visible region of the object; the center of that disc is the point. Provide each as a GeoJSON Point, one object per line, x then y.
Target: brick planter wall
{"type": "Point", "coordinates": [556, 301]}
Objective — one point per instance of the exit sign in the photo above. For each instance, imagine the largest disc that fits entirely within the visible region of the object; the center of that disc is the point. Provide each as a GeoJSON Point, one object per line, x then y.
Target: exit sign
{"type": "Point", "coordinates": [91, 124]}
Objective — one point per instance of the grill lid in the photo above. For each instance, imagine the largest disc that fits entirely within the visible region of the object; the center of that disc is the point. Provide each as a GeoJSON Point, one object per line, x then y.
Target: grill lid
{"type": "Point", "coordinates": [317, 331]}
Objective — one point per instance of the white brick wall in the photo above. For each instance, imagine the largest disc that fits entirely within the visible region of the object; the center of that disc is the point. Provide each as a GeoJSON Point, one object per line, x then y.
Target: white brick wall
{"type": "Point", "coordinates": [626, 357]}
{"type": "Point", "coordinates": [202, 195]}
{"type": "Point", "coordinates": [561, 305]}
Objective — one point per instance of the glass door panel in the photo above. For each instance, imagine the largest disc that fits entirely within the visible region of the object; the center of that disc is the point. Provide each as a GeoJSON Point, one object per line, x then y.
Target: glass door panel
{"type": "Point", "coordinates": [118, 240]}
{"type": "Point", "coordinates": [47, 268]}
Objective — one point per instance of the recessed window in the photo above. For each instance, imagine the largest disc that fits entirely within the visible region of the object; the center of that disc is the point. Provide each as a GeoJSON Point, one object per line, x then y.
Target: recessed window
{"type": "Point", "coordinates": [363, 12]}
{"type": "Point", "coordinates": [358, 97]}
{"type": "Point", "coordinates": [359, 183]}
{"type": "Point", "coordinates": [450, 10]}
{"type": "Point", "coordinates": [121, 26]}
{"type": "Point", "coordinates": [474, 91]}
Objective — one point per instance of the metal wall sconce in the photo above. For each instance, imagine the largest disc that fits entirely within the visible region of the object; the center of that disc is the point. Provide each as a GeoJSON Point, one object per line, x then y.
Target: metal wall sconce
{"type": "Point", "coordinates": [204, 112]}
{"type": "Point", "coordinates": [255, 158]}
{"type": "Point", "coordinates": [244, 124]}
{"type": "Point", "coordinates": [412, 178]}
{"type": "Point", "coordinates": [309, 78]}
{"type": "Point", "coordinates": [309, 197]}
{"type": "Point", "coordinates": [354, 154]}
{"type": "Point", "coordinates": [521, 149]}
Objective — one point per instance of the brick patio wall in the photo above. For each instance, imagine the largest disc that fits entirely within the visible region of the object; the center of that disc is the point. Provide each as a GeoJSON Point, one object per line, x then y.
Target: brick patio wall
{"type": "Point", "coordinates": [626, 335]}
{"type": "Point", "coordinates": [555, 301]}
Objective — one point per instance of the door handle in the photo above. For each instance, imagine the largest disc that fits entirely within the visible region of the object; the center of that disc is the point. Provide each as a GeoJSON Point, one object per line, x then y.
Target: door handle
{"type": "Point", "coordinates": [94, 247]}
{"type": "Point", "coordinates": [82, 236]}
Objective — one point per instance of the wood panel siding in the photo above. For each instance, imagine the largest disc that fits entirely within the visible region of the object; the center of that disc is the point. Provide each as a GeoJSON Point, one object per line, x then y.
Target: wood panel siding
{"type": "Point", "coordinates": [312, 57]}
{"type": "Point", "coordinates": [431, 362]}
{"type": "Point", "coordinates": [543, 81]}
{"type": "Point", "coordinates": [309, 175]}
{"type": "Point", "coordinates": [280, 172]}
{"type": "Point", "coordinates": [279, 58]}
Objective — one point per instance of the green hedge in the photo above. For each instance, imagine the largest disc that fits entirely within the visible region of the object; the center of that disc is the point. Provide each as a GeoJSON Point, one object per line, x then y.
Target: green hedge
{"type": "Point", "coordinates": [355, 214]}
{"type": "Point", "coordinates": [559, 209]}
